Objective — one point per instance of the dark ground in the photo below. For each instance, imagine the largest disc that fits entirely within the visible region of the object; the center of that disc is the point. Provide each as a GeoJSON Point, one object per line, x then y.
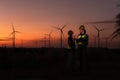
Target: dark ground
{"type": "Point", "coordinates": [49, 64]}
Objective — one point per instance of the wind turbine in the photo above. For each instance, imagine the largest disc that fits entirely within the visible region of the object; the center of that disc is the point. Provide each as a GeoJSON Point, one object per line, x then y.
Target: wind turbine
{"type": "Point", "coordinates": [98, 34]}
{"type": "Point", "coordinates": [49, 35]}
{"type": "Point", "coordinates": [103, 22]}
{"type": "Point", "coordinates": [13, 34]}
{"type": "Point", "coordinates": [61, 33]}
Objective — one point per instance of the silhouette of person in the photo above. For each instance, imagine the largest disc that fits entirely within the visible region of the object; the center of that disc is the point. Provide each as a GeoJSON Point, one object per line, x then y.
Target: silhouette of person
{"type": "Point", "coordinates": [82, 42]}
{"type": "Point", "coordinates": [71, 50]}
{"type": "Point", "coordinates": [71, 40]}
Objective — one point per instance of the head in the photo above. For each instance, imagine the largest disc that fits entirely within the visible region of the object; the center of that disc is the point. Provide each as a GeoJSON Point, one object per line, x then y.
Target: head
{"type": "Point", "coordinates": [70, 32]}
{"type": "Point", "coordinates": [82, 29]}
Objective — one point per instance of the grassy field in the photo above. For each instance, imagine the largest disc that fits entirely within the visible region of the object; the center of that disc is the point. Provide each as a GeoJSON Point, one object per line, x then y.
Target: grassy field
{"type": "Point", "coordinates": [49, 64]}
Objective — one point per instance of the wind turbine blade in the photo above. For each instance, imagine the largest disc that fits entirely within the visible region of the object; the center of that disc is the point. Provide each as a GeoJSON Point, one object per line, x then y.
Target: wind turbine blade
{"type": "Point", "coordinates": [57, 28]}
{"type": "Point", "coordinates": [101, 29]}
{"type": "Point", "coordinates": [96, 28]}
{"type": "Point", "coordinates": [2, 40]}
{"type": "Point", "coordinates": [64, 26]}
{"type": "Point", "coordinates": [97, 22]}
{"type": "Point", "coordinates": [11, 34]}
{"type": "Point", "coordinates": [13, 27]}
{"type": "Point", "coordinates": [5, 39]}
{"type": "Point", "coordinates": [17, 31]}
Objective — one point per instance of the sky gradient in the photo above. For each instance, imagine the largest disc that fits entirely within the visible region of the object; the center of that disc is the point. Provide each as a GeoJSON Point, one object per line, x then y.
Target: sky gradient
{"type": "Point", "coordinates": [35, 18]}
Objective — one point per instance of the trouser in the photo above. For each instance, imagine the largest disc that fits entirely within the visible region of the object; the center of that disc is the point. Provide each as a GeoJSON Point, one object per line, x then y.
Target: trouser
{"type": "Point", "coordinates": [70, 59]}
{"type": "Point", "coordinates": [83, 58]}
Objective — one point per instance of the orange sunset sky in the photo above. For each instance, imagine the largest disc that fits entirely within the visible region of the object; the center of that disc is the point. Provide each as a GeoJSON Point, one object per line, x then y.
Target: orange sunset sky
{"type": "Point", "coordinates": [35, 18]}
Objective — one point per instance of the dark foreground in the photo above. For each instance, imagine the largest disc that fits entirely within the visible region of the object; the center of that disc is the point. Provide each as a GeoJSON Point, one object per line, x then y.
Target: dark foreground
{"type": "Point", "coordinates": [49, 64]}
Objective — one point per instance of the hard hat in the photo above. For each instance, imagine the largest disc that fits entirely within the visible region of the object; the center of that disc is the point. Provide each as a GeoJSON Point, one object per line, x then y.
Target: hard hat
{"type": "Point", "coordinates": [82, 27]}
{"type": "Point", "coordinates": [70, 32]}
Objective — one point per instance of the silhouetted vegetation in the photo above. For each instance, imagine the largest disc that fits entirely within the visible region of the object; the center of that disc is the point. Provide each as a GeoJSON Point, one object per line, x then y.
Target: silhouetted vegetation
{"type": "Point", "coordinates": [117, 31]}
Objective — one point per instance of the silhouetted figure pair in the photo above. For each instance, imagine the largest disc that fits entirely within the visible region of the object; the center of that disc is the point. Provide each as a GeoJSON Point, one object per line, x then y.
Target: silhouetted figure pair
{"type": "Point", "coordinates": [82, 42]}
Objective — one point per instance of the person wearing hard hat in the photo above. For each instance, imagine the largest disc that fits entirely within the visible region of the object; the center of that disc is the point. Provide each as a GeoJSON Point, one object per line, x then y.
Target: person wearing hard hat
{"type": "Point", "coordinates": [82, 42]}
{"type": "Point", "coordinates": [71, 50]}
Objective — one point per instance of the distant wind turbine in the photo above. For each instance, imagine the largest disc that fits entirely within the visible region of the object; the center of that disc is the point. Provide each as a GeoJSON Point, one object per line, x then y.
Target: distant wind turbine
{"type": "Point", "coordinates": [61, 33]}
{"type": "Point", "coordinates": [117, 22]}
{"type": "Point", "coordinates": [49, 35]}
{"type": "Point", "coordinates": [13, 34]}
{"type": "Point", "coordinates": [98, 34]}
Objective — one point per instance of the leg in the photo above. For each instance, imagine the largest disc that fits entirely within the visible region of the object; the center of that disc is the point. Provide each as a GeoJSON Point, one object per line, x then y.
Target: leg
{"type": "Point", "coordinates": [68, 59]}
{"type": "Point", "coordinates": [80, 53]}
{"type": "Point", "coordinates": [73, 61]}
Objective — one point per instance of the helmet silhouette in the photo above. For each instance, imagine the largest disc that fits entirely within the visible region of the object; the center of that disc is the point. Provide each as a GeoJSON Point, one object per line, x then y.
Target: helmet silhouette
{"type": "Point", "coordinates": [82, 27]}
{"type": "Point", "coordinates": [70, 32]}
